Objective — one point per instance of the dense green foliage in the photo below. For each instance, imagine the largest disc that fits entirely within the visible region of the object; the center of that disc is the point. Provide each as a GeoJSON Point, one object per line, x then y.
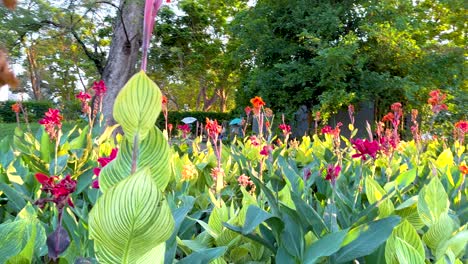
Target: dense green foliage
{"type": "Point", "coordinates": [34, 109]}
{"type": "Point", "coordinates": [331, 53]}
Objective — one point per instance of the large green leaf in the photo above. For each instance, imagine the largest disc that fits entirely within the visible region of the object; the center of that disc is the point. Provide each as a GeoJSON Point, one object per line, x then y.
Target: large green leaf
{"type": "Point", "coordinates": [407, 233]}
{"type": "Point", "coordinates": [406, 253]}
{"type": "Point", "coordinates": [255, 216]}
{"type": "Point", "coordinates": [439, 232]}
{"type": "Point", "coordinates": [154, 153]}
{"type": "Point", "coordinates": [137, 106]}
{"type": "Point", "coordinates": [432, 202]}
{"type": "Point", "coordinates": [456, 244]}
{"type": "Point", "coordinates": [325, 246]}
{"type": "Point", "coordinates": [364, 239]}
{"type": "Point", "coordinates": [130, 220]}
{"type": "Point", "coordinates": [375, 193]}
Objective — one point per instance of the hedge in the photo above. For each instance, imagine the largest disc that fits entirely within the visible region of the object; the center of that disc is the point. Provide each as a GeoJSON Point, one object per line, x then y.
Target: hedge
{"type": "Point", "coordinates": [175, 117]}
{"type": "Point", "coordinates": [35, 110]}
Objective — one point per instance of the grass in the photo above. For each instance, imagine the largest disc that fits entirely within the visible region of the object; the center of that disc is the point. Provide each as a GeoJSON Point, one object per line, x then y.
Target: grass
{"type": "Point", "coordinates": [8, 129]}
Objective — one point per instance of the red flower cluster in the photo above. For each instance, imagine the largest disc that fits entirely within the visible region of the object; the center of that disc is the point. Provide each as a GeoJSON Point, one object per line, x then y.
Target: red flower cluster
{"type": "Point", "coordinates": [84, 99]}
{"type": "Point", "coordinates": [266, 150]}
{"type": "Point", "coordinates": [332, 173]}
{"type": "Point", "coordinates": [435, 100]}
{"type": "Point", "coordinates": [364, 147]}
{"type": "Point", "coordinates": [388, 117]}
{"type": "Point", "coordinates": [462, 125]}
{"type": "Point", "coordinates": [335, 132]}
{"type": "Point", "coordinates": [213, 129]}
{"type": "Point", "coordinates": [60, 190]}
{"type": "Point", "coordinates": [285, 128]}
{"type": "Point", "coordinates": [254, 141]}
{"type": "Point", "coordinates": [185, 129]}
{"type": "Point", "coordinates": [51, 120]}
{"type": "Point", "coordinates": [100, 88]}
{"type": "Point", "coordinates": [103, 161]}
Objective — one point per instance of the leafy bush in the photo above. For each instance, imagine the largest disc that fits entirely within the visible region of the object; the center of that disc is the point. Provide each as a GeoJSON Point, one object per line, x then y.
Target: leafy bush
{"type": "Point", "coordinates": [35, 110]}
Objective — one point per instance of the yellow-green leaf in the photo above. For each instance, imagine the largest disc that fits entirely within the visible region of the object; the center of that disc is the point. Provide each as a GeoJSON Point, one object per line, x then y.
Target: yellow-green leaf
{"type": "Point", "coordinates": [406, 232]}
{"type": "Point", "coordinates": [374, 194]}
{"type": "Point", "coordinates": [138, 106]}
{"type": "Point", "coordinates": [432, 202]}
{"type": "Point", "coordinates": [130, 221]}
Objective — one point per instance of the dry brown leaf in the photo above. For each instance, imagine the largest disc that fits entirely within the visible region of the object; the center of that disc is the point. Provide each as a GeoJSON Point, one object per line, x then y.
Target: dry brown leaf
{"type": "Point", "coordinates": [6, 75]}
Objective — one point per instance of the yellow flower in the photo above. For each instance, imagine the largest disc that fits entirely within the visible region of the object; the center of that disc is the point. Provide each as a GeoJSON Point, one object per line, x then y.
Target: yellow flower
{"type": "Point", "coordinates": [189, 172]}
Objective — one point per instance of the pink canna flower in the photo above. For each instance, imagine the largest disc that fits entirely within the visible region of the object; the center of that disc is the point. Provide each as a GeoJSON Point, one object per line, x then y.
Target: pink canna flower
{"type": "Point", "coordinates": [266, 150]}
{"type": "Point", "coordinates": [100, 88]}
{"type": "Point", "coordinates": [151, 11]}
{"type": "Point", "coordinates": [52, 122]}
{"type": "Point", "coordinates": [332, 173]}
{"type": "Point", "coordinates": [286, 129]}
{"type": "Point", "coordinates": [103, 161]}
{"type": "Point", "coordinates": [364, 147]}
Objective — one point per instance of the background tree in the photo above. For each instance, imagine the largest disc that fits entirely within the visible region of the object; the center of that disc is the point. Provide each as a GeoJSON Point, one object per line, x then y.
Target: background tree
{"type": "Point", "coordinates": [329, 53]}
{"type": "Point", "coordinates": [192, 61]}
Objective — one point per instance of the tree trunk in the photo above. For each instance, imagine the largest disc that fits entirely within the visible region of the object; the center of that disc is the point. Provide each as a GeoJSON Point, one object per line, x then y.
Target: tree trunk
{"type": "Point", "coordinates": [34, 73]}
{"type": "Point", "coordinates": [123, 53]}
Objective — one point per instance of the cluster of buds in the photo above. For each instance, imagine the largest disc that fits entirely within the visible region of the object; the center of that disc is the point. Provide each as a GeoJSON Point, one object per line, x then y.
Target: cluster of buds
{"type": "Point", "coordinates": [415, 126]}
{"type": "Point", "coordinates": [436, 101]}
{"type": "Point", "coordinates": [103, 161]}
{"type": "Point", "coordinates": [52, 123]}
{"type": "Point", "coordinates": [246, 182]}
{"type": "Point", "coordinates": [351, 116]}
{"type": "Point", "coordinates": [59, 189]}
{"type": "Point", "coordinates": [99, 91]}
{"type": "Point", "coordinates": [84, 99]}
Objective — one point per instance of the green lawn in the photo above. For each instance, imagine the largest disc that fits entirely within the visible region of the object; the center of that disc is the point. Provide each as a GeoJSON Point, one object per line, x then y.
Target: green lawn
{"type": "Point", "coordinates": [7, 129]}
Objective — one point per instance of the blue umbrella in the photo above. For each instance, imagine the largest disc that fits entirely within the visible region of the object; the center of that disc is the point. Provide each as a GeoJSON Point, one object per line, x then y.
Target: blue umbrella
{"type": "Point", "coordinates": [235, 121]}
{"type": "Point", "coordinates": [189, 120]}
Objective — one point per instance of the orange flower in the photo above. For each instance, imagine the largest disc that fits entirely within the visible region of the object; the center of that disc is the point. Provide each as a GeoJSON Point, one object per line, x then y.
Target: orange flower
{"type": "Point", "coordinates": [388, 117]}
{"type": "Point", "coordinates": [16, 107]}
{"type": "Point", "coordinates": [189, 172]}
{"type": "Point", "coordinates": [463, 169]}
{"type": "Point", "coordinates": [257, 102]}
{"type": "Point", "coordinates": [164, 100]}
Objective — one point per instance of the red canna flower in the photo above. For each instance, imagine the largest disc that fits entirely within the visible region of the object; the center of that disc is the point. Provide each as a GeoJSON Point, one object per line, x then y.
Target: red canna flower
{"type": "Point", "coordinates": [100, 88]}
{"type": "Point", "coordinates": [463, 169]}
{"type": "Point", "coordinates": [364, 147]}
{"type": "Point", "coordinates": [103, 161]}
{"type": "Point", "coordinates": [286, 129]}
{"type": "Point", "coordinates": [462, 125]}
{"type": "Point", "coordinates": [257, 102]}
{"type": "Point", "coordinates": [60, 190]}
{"type": "Point", "coordinates": [83, 97]}
{"type": "Point", "coordinates": [247, 110]}
{"type": "Point", "coordinates": [185, 129]}
{"type": "Point", "coordinates": [436, 101]}
{"type": "Point", "coordinates": [213, 129]}
{"type": "Point", "coordinates": [52, 122]}
{"type": "Point", "coordinates": [388, 117]}
{"type": "Point", "coordinates": [265, 150]}
{"type": "Point", "coordinates": [254, 141]}
{"type": "Point", "coordinates": [16, 108]}
{"type": "Point", "coordinates": [332, 173]}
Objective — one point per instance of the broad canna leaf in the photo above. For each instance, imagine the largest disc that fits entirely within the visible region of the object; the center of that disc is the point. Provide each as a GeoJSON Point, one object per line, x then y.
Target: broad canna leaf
{"type": "Point", "coordinates": [325, 246]}
{"type": "Point", "coordinates": [439, 232]}
{"type": "Point", "coordinates": [407, 233]}
{"type": "Point", "coordinates": [138, 106]}
{"type": "Point", "coordinates": [407, 253]}
{"type": "Point", "coordinates": [364, 239]}
{"type": "Point", "coordinates": [457, 244]}
{"type": "Point", "coordinates": [158, 161]}
{"type": "Point", "coordinates": [432, 202]}
{"type": "Point", "coordinates": [130, 221]}
{"type": "Point", "coordinates": [375, 193]}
